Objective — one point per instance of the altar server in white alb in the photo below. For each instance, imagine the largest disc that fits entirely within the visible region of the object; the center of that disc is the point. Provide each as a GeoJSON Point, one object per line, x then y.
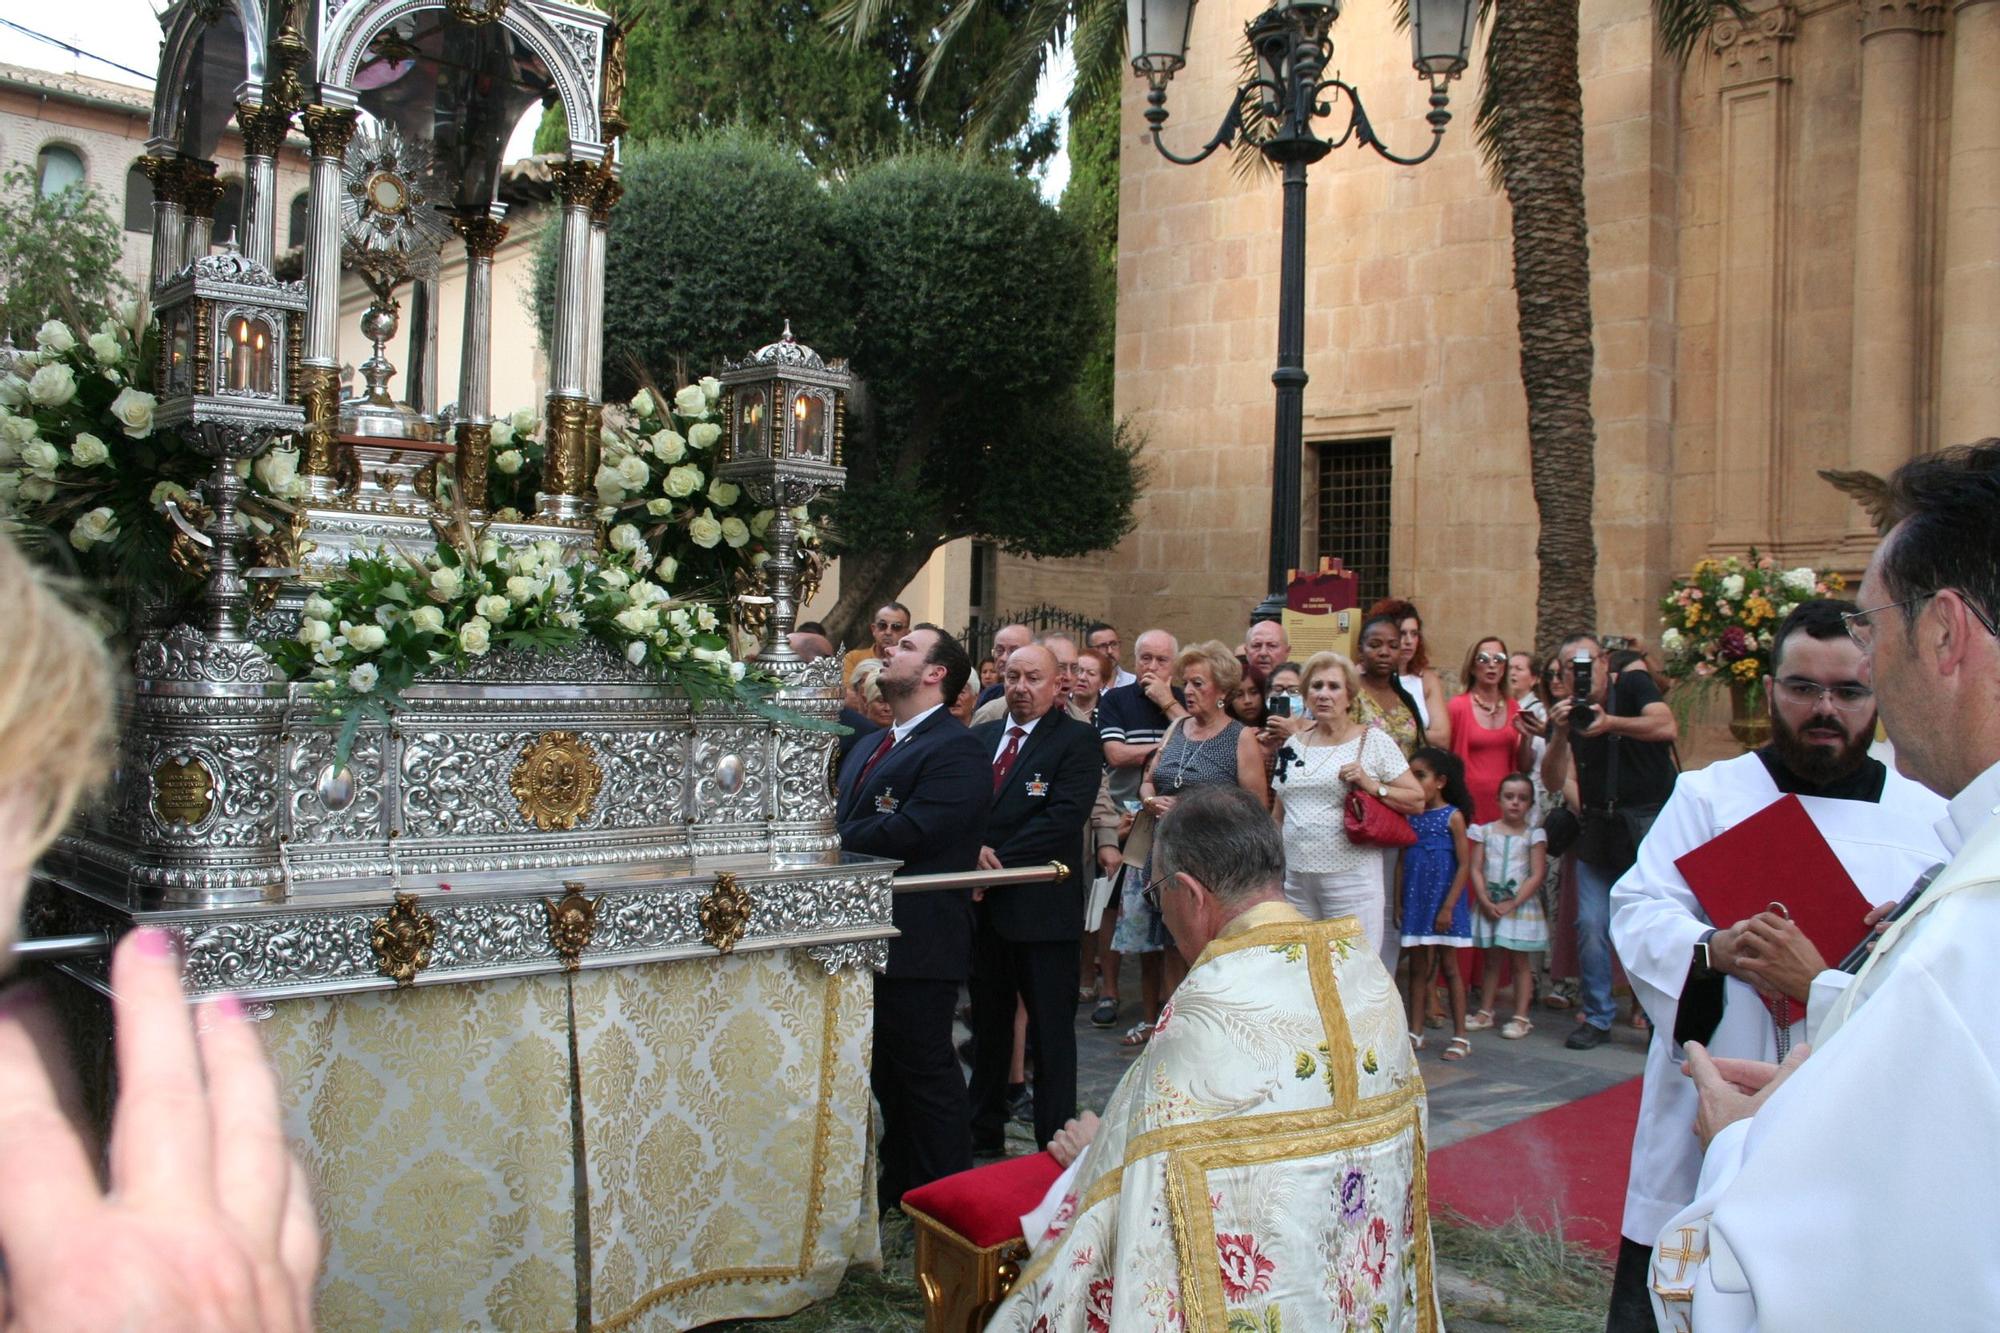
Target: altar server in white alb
{"type": "Point", "coordinates": [1697, 981]}
{"type": "Point", "coordinates": [1858, 1187]}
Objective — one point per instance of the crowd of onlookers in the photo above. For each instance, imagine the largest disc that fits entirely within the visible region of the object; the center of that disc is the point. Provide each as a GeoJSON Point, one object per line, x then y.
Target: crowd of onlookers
{"type": "Point", "coordinates": [1462, 818]}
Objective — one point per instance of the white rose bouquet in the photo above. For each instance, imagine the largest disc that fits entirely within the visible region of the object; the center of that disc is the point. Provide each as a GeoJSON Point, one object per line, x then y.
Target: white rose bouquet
{"type": "Point", "coordinates": [658, 497]}
{"type": "Point", "coordinates": [80, 459]}
{"type": "Point", "coordinates": [366, 635]}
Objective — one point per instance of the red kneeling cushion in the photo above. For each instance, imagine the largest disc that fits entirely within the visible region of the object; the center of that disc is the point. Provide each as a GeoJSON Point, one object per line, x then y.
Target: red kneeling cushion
{"type": "Point", "coordinates": [984, 1205]}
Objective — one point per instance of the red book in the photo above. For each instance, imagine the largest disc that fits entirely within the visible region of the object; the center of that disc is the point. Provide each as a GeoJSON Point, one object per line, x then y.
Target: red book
{"type": "Point", "coordinates": [1778, 855]}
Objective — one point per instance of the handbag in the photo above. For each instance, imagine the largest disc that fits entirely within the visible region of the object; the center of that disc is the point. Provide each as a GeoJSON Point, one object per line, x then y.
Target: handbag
{"type": "Point", "coordinates": [1561, 827]}
{"type": "Point", "coordinates": [1369, 823]}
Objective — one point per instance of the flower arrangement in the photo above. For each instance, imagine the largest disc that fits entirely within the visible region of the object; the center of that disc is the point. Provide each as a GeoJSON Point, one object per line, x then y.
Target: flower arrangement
{"type": "Point", "coordinates": [657, 488]}
{"type": "Point", "coordinates": [1720, 619]}
{"type": "Point", "coordinates": [365, 637]}
{"type": "Point", "coordinates": [78, 453]}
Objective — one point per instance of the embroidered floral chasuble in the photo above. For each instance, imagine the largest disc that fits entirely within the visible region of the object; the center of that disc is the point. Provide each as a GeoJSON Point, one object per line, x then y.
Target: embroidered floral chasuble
{"type": "Point", "coordinates": [1261, 1166]}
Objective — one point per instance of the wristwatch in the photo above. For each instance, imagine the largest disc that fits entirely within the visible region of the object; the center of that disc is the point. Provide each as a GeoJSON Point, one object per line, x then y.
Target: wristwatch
{"type": "Point", "coordinates": [1381, 792]}
{"type": "Point", "coordinates": [1703, 969]}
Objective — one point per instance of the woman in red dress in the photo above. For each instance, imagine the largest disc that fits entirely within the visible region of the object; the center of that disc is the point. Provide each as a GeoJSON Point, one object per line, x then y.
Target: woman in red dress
{"type": "Point", "coordinates": [1483, 734]}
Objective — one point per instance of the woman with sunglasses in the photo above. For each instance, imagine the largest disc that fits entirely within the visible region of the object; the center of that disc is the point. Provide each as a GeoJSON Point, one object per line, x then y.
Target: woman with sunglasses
{"type": "Point", "coordinates": [1483, 734]}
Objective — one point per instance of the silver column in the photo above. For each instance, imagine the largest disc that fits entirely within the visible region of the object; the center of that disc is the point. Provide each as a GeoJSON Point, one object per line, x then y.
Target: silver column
{"type": "Point", "coordinates": [202, 191]}
{"type": "Point", "coordinates": [424, 345]}
{"type": "Point", "coordinates": [169, 214]}
{"type": "Point", "coordinates": [565, 483]}
{"type": "Point", "coordinates": [263, 137]}
{"type": "Point", "coordinates": [329, 129]}
{"type": "Point", "coordinates": [475, 370]}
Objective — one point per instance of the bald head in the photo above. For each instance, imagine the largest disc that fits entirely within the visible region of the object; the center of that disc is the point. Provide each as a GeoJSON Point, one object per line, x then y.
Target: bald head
{"type": "Point", "coordinates": [810, 647]}
{"type": "Point", "coordinates": [1032, 680]}
{"type": "Point", "coordinates": [1009, 638]}
{"type": "Point", "coordinates": [1155, 651]}
{"type": "Point", "coordinates": [1266, 646]}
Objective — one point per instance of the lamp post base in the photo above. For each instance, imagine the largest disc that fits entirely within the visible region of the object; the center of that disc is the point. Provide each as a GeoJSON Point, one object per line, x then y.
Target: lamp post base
{"type": "Point", "coordinates": [1271, 608]}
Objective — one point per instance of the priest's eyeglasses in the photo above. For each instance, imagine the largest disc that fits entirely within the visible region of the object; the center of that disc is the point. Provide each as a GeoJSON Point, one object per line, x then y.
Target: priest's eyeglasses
{"type": "Point", "coordinates": [1151, 893]}
{"type": "Point", "coordinates": [1861, 626]}
{"type": "Point", "coordinates": [1803, 693]}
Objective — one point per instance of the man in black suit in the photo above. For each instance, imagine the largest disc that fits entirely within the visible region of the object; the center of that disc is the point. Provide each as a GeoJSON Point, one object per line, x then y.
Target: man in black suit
{"type": "Point", "coordinates": [1045, 770]}
{"type": "Point", "coordinates": [919, 793]}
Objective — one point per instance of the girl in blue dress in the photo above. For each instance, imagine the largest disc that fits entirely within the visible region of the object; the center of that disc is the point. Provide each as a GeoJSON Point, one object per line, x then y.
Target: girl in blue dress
{"type": "Point", "coordinates": [1436, 916]}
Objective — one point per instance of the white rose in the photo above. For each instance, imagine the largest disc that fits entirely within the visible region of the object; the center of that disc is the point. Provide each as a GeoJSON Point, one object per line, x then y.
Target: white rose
{"type": "Point", "coordinates": [493, 606]}
{"type": "Point", "coordinates": [724, 493]}
{"type": "Point", "coordinates": [167, 490]}
{"type": "Point", "coordinates": [362, 679]}
{"type": "Point", "coordinates": [659, 506]}
{"type": "Point", "coordinates": [521, 588]}
{"type": "Point", "coordinates": [13, 390]}
{"type": "Point", "coordinates": [19, 430]}
{"type": "Point", "coordinates": [474, 636]}
{"type": "Point", "coordinates": [313, 632]}
{"type": "Point", "coordinates": [524, 420]}
{"type": "Point", "coordinates": [761, 521]}
{"type": "Point", "coordinates": [134, 410]}
{"type": "Point", "coordinates": [446, 582]}
{"type": "Point", "coordinates": [665, 570]}
{"type": "Point", "coordinates": [242, 469]}
{"type": "Point", "coordinates": [633, 474]}
{"type": "Point", "coordinates": [54, 336]}
{"type": "Point", "coordinates": [489, 550]}
{"type": "Point", "coordinates": [637, 619]}
{"type": "Point", "coordinates": [41, 457]}
{"type": "Point", "coordinates": [106, 348]}
{"type": "Point", "coordinates": [36, 489]}
{"type": "Point", "coordinates": [626, 537]}
{"type": "Point", "coordinates": [691, 401]}
{"type": "Point", "coordinates": [99, 525]}
{"type": "Point", "coordinates": [277, 468]}
{"type": "Point", "coordinates": [1732, 586]}
{"type": "Point", "coordinates": [319, 608]}
{"type": "Point", "coordinates": [635, 651]}
{"type": "Point", "coordinates": [702, 435]}
{"type": "Point", "coordinates": [680, 620]}
{"type": "Point", "coordinates": [1670, 639]}
{"type": "Point", "coordinates": [736, 670]}
{"type": "Point", "coordinates": [717, 656]}
{"type": "Point", "coordinates": [1799, 582]}
{"type": "Point", "coordinates": [428, 619]}
{"type": "Point", "coordinates": [759, 560]}
{"type": "Point", "coordinates": [648, 593]}
{"type": "Point", "coordinates": [364, 638]}
{"type": "Point", "coordinates": [609, 488]}
{"type": "Point", "coordinates": [736, 532]}
{"type": "Point", "coordinates": [711, 387]}
{"type": "Point", "coordinates": [88, 451]}
{"type": "Point", "coordinates": [683, 481]}
{"type": "Point", "coordinates": [642, 403]}
{"type": "Point", "coordinates": [615, 578]}
{"type": "Point", "coordinates": [669, 447]}
{"type": "Point", "coordinates": [703, 530]}
{"type": "Point", "coordinates": [508, 461]}
{"type": "Point", "coordinates": [52, 386]}
{"type": "Point", "coordinates": [499, 434]}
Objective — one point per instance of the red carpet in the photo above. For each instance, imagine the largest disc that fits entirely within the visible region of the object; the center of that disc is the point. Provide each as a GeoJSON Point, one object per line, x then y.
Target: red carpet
{"type": "Point", "coordinates": [1567, 1164]}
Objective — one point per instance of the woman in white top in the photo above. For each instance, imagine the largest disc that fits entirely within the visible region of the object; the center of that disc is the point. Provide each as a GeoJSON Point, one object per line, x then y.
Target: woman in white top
{"type": "Point", "coordinates": [1327, 876]}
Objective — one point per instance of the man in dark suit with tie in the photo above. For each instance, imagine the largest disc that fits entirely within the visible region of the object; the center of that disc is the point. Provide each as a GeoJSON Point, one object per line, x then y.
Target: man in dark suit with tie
{"type": "Point", "coordinates": [920, 794]}
{"type": "Point", "coordinates": [1045, 771]}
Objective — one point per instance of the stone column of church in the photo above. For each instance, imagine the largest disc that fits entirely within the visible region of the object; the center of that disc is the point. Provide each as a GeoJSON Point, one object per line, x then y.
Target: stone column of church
{"type": "Point", "coordinates": [1884, 412]}
{"type": "Point", "coordinates": [475, 372]}
{"type": "Point", "coordinates": [263, 137]}
{"type": "Point", "coordinates": [1969, 308]}
{"type": "Point", "coordinates": [169, 215]}
{"type": "Point", "coordinates": [564, 482]}
{"type": "Point", "coordinates": [202, 191]}
{"type": "Point", "coordinates": [329, 129]}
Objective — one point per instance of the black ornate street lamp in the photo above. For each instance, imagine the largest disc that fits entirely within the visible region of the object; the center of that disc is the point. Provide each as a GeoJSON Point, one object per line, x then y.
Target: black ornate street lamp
{"type": "Point", "coordinates": [1292, 43]}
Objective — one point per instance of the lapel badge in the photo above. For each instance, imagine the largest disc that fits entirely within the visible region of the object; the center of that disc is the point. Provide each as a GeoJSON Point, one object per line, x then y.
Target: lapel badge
{"type": "Point", "coordinates": [886, 803]}
{"type": "Point", "coordinates": [1037, 787]}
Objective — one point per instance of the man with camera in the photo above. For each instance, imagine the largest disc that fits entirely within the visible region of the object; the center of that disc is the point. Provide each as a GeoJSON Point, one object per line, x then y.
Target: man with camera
{"type": "Point", "coordinates": [1621, 734]}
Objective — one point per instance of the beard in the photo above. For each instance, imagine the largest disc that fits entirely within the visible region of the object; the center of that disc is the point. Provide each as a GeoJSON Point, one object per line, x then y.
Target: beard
{"type": "Point", "coordinates": [1806, 754]}
{"type": "Point", "coordinates": [893, 688]}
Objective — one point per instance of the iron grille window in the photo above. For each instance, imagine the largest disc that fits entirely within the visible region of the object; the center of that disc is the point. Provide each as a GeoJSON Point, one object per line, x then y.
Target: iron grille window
{"type": "Point", "coordinates": [1354, 510]}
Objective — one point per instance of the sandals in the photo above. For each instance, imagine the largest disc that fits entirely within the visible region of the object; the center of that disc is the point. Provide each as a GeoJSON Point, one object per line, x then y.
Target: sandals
{"type": "Point", "coordinates": [1458, 1049]}
{"type": "Point", "coordinates": [1137, 1035]}
{"type": "Point", "coordinates": [1106, 1012]}
{"type": "Point", "coordinates": [1480, 1021]}
{"type": "Point", "coordinates": [1515, 1028]}
{"type": "Point", "coordinates": [1416, 1041]}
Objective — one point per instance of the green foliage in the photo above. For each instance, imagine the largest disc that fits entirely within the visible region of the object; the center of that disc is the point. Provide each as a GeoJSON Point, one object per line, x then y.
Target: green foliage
{"type": "Point", "coordinates": [1091, 201]}
{"type": "Point", "coordinates": [58, 257]}
{"type": "Point", "coordinates": [718, 240]}
{"type": "Point", "coordinates": [967, 288]}
{"type": "Point", "coordinates": [780, 71]}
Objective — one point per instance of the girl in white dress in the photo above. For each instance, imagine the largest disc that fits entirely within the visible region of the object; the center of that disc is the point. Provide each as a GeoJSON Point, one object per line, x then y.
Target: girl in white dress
{"type": "Point", "coordinates": [1326, 875]}
{"type": "Point", "coordinates": [1510, 859]}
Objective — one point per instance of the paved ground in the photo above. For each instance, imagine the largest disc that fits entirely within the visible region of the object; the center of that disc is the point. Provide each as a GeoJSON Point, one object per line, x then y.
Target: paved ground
{"type": "Point", "coordinates": [1499, 1083]}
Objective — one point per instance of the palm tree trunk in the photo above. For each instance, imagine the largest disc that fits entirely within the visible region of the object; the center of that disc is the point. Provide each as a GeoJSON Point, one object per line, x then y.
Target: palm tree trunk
{"type": "Point", "coordinates": [1538, 138]}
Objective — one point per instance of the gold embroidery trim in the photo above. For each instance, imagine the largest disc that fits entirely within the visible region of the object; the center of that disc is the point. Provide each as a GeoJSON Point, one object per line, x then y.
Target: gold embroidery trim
{"type": "Point", "coordinates": [1340, 1058]}
{"type": "Point", "coordinates": [815, 1192]}
{"type": "Point", "coordinates": [1194, 1221]}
